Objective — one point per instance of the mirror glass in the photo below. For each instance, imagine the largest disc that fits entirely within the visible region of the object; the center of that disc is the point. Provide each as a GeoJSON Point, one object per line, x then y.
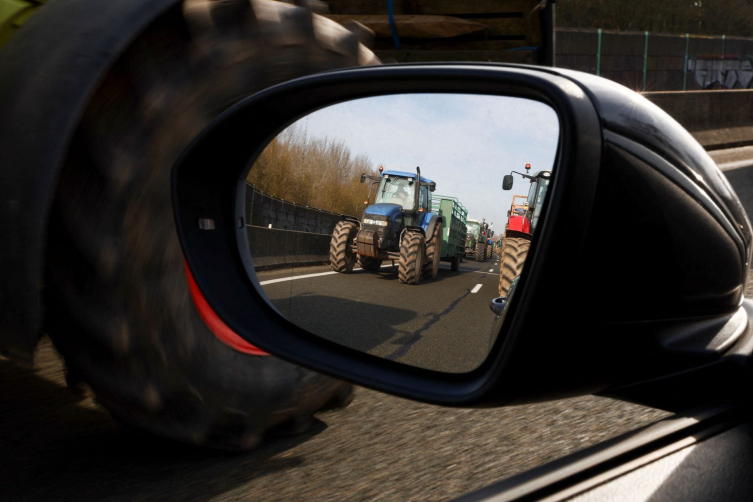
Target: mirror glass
{"type": "Point", "coordinates": [380, 223]}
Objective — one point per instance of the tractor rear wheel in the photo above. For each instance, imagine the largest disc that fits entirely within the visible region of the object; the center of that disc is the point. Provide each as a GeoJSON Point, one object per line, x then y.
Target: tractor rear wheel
{"type": "Point", "coordinates": [480, 251]}
{"type": "Point", "coordinates": [514, 253]}
{"type": "Point", "coordinates": [118, 302]}
{"type": "Point", "coordinates": [412, 251]}
{"type": "Point", "coordinates": [342, 258]}
{"type": "Point", "coordinates": [369, 263]}
{"type": "Point", "coordinates": [488, 251]}
{"type": "Point", "coordinates": [433, 253]}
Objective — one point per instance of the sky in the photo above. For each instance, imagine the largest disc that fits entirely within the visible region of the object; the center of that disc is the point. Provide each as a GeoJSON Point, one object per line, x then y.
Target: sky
{"type": "Point", "coordinates": [465, 143]}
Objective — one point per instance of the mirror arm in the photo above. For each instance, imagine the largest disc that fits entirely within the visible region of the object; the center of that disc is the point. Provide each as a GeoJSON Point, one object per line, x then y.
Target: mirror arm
{"type": "Point", "coordinates": [368, 197]}
{"type": "Point", "coordinates": [524, 175]}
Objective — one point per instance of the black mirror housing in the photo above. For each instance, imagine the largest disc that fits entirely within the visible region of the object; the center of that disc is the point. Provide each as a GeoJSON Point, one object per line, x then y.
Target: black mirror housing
{"type": "Point", "coordinates": [663, 282]}
{"type": "Point", "coordinates": [507, 182]}
{"type": "Point", "coordinates": [498, 305]}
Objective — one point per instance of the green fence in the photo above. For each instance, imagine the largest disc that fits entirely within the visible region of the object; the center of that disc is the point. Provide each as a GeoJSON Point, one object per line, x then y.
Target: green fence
{"type": "Point", "coordinates": [646, 61]}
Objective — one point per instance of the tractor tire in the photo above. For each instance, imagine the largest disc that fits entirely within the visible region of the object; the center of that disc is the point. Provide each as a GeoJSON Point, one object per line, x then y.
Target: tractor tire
{"type": "Point", "coordinates": [514, 253]}
{"type": "Point", "coordinates": [433, 253]}
{"type": "Point", "coordinates": [369, 263]}
{"type": "Point", "coordinates": [488, 251]}
{"type": "Point", "coordinates": [342, 258]}
{"type": "Point", "coordinates": [412, 252]}
{"type": "Point", "coordinates": [480, 252]}
{"type": "Point", "coordinates": [118, 306]}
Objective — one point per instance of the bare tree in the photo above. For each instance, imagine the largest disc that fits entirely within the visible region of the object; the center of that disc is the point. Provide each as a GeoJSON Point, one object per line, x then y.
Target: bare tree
{"type": "Point", "coordinates": [312, 171]}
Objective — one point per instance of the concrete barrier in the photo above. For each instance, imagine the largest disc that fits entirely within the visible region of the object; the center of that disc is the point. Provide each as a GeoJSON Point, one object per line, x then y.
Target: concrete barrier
{"type": "Point", "coordinates": [717, 119]}
{"type": "Point", "coordinates": [263, 209]}
{"type": "Point", "coordinates": [271, 248]}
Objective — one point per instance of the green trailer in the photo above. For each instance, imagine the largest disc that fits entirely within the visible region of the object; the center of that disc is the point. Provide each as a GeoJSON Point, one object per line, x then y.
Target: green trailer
{"type": "Point", "coordinates": [454, 215]}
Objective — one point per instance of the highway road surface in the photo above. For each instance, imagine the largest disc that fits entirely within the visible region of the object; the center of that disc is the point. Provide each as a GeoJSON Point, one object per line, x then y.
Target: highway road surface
{"type": "Point", "coordinates": [56, 446]}
{"type": "Point", "coordinates": [442, 324]}
{"type": "Point", "coordinates": [59, 446]}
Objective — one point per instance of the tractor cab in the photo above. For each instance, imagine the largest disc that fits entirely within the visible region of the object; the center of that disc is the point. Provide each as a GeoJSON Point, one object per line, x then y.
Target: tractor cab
{"type": "Point", "coordinates": [472, 229]}
{"type": "Point", "coordinates": [400, 188]}
{"type": "Point", "coordinates": [402, 200]}
{"type": "Point", "coordinates": [526, 209]}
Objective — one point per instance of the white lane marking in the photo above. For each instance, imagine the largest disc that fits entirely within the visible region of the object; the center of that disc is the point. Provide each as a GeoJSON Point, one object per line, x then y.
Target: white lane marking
{"type": "Point", "coordinates": [474, 271]}
{"type": "Point", "coordinates": [293, 278]}
{"type": "Point", "coordinates": [736, 164]}
{"type": "Point", "coordinates": [475, 290]}
{"type": "Point", "coordinates": [447, 267]}
{"type": "Point", "coordinates": [307, 276]}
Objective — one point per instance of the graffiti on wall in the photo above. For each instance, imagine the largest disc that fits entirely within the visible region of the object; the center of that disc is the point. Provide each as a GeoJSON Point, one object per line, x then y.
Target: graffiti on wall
{"type": "Point", "coordinates": [727, 73]}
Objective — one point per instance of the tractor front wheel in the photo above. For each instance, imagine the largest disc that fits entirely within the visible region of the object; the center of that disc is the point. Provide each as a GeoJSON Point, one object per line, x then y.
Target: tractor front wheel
{"type": "Point", "coordinates": [412, 251]}
{"type": "Point", "coordinates": [514, 253]}
{"type": "Point", "coordinates": [341, 255]}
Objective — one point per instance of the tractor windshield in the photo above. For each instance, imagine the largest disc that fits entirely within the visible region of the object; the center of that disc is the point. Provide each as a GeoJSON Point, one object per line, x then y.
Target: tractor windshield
{"type": "Point", "coordinates": [531, 199]}
{"type": "Point", "coordinates": [394, 190]}
{"type": "Point", "coordinates": [473, 229]}
{"type": "Point", "coordinates": [539, 201]}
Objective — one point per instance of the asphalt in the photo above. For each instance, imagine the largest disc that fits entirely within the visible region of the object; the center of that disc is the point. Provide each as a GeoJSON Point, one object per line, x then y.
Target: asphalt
{"type": "Point", "coordinates": [59, 446]}
{"type": "Point", "coordinates": [442, 324]}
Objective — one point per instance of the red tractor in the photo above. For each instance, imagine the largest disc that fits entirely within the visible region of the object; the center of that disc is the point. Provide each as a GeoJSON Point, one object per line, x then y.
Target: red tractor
{"type": "Point", "coordinates": [521, 223]}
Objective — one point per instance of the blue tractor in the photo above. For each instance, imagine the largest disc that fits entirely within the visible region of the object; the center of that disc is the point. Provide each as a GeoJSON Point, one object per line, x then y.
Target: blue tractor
{"type": "Point", "coordinates": [398, 226]}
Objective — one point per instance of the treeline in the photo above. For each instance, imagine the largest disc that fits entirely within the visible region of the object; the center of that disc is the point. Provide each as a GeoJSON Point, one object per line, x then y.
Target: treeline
{"type": "Point", "coordinates": [313, 171]}
{"type": "Point", "coordinates": [697, 17]}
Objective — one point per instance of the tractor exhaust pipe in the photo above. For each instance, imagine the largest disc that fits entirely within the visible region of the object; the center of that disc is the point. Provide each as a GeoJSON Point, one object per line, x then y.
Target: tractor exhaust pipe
{"type": "Point", "coordinates": [418, 189]}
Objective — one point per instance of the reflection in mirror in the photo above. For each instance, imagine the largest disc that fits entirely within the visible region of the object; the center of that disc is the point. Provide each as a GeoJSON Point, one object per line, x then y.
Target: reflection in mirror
{"type": "Point", "coordinates": [379, 223]}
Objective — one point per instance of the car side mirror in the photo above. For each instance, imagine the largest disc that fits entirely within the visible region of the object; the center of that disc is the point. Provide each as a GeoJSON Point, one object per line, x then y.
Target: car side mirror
{"type": "Point", "coordinates": [644, 313]}
{"type": "Point", "coordinates": [507, 182]}
{"type": "Point", "coordinates": [498, 305]}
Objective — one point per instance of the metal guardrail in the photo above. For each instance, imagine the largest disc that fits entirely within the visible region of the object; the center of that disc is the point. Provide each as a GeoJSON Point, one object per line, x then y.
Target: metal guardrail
{"type": "Point", "coordinates": [268, 211]}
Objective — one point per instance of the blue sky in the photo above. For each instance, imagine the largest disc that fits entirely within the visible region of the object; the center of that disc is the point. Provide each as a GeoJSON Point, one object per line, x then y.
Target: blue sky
{"type": "Point", "coordinates": [465, 143]}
